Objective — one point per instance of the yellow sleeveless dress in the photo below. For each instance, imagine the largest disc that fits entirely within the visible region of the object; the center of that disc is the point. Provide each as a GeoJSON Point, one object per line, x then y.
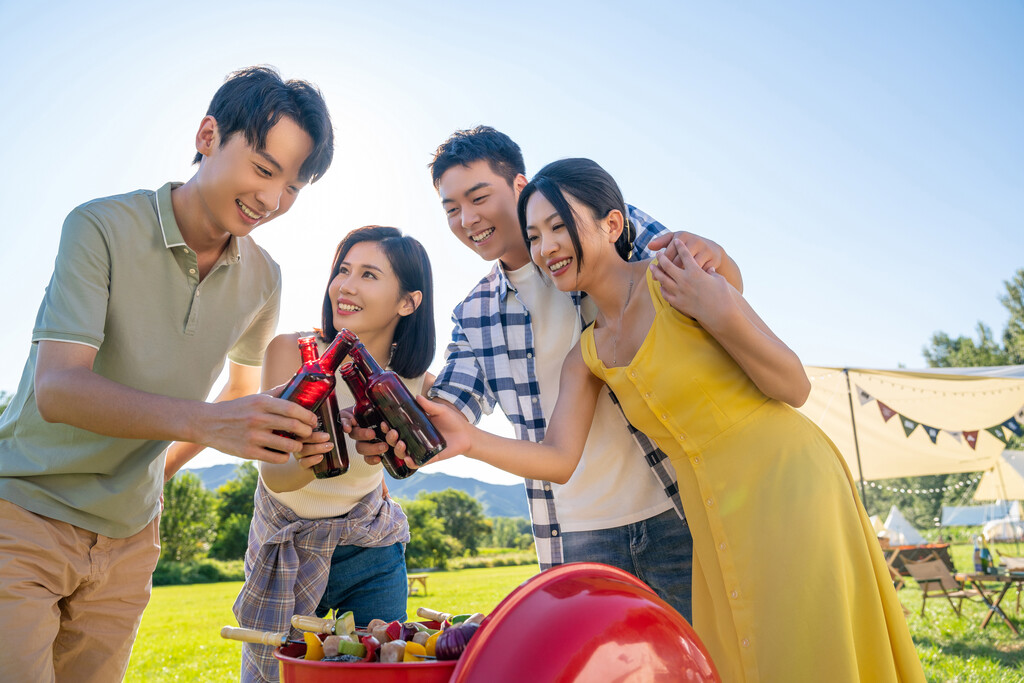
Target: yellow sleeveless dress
{"type": "Point", "coordinates": [789, 581]}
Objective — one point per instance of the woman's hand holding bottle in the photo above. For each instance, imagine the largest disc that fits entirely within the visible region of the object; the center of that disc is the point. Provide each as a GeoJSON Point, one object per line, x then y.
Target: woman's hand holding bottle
{"type": "Point", "coordinates": [453, 426]}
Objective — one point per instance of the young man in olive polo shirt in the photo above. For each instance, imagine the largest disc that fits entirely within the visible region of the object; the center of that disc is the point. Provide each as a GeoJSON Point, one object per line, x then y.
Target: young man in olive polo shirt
{"type": "Point", "coordinates": [151, 292]}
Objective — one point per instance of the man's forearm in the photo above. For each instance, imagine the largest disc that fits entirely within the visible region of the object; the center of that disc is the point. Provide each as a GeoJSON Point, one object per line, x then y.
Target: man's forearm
{"type": "Point", "coordinates": [81, 398]}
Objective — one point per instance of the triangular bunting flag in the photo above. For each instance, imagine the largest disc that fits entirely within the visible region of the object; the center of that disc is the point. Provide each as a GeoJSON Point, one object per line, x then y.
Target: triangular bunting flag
{"type": "Point", "coordinates": [864, 397]}
{"type": "Point", "coordinates": [908, 425]}
{"type": "Point", "coordinates": [1013, 426]}
{"type": "Point", "coordinates": [933, 432]}
{"type": "Point", "coordinates": [887, 412]}
{"type": "Point", "coordinates": [972, 438]}
{"type": "Point", "coordinates": [959, 436]}
{"type": "Point", "coordinates": [997, 432]}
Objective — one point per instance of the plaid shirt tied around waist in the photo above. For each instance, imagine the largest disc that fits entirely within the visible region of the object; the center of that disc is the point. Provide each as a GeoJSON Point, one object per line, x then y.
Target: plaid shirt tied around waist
{"type": "Point", "coordinates": [490, 360]}
{"type": "Point", "coordinates": [288, 563]}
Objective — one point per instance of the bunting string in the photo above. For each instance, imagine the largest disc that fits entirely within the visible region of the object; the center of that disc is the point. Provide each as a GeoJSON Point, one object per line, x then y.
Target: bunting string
{"type": "Point", "coordinates": [896, 489]}
{"type": "Point", "coordinates": [1013, 425]}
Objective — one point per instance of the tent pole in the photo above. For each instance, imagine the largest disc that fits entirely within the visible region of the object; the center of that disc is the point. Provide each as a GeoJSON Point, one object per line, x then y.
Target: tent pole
{"type": "Point", "coordinates": [856, 446]}
{"type": "Point", "coordinates": [1002, 485]}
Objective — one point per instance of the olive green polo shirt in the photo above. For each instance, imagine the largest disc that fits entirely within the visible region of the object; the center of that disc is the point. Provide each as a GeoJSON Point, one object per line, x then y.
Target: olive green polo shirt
{"type": "Point", "coordinates": [125, 283]}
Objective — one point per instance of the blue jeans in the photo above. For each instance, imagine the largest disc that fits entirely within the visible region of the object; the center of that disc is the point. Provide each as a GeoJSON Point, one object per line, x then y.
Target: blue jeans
{"type": "Point", "coordinates": [371, 582]}
{"type": "Point", "coordinates": [658, 551]}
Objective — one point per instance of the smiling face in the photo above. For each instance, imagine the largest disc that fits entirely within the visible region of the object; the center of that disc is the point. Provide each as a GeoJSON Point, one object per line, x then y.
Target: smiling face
{"type": "Point", "coordinates": [241, 187]}
{"type": "Point", "coordinates": [367, 295]}
{"type": "Point", "coordinates": [481, 210]}
{"type": "Point", "coordinates": [551, 246]}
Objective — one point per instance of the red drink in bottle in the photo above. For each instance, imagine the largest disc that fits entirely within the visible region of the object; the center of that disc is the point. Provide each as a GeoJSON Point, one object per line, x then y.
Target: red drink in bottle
{"type": "Point", "coordinates": [396, 405]}
{"type": "Point", "coordinates": [367, 417]}
{"type": "Point", "coordinates": [335, 462]}
{"type": "Point", "coordinates": [315, 380]}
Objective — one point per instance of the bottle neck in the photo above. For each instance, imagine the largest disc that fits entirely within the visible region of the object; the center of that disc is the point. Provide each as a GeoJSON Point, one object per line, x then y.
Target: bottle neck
{"type": "Point", "coordinates": [334, 354]}
{"type": "Point", "coordinates": [366, 363]}
{"type": "Point", "coordinates": [354, 379]}
{"type": "Point", "coordinates": [307, 349]}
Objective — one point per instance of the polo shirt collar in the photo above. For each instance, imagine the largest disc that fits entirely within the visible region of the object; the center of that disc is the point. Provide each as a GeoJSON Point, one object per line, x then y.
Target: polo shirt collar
{"type": "Point", "coordinates": [172, 233]}
{"type": "Point", "coordinates": [165, 214]}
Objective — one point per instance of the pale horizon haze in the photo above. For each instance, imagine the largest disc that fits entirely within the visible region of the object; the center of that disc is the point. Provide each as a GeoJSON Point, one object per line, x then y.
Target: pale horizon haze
{"type": "Point", "coordinates": [862, 163]}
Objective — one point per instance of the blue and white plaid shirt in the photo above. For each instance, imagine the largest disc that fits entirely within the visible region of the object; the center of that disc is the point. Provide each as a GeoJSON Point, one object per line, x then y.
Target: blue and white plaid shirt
{"type": "Point", "coordinates": [490, 360]}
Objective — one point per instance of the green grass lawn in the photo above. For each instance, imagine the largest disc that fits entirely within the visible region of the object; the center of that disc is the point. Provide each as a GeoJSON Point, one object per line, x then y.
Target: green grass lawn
{"type": "Point", "coordinates": [179, 638]}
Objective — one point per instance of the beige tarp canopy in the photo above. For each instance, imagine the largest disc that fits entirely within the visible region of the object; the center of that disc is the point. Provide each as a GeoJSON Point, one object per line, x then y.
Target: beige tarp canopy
{"type": "Point", "coordinates": [1004, 480]}
{"type": "Point", "coordinates": [911, 423]}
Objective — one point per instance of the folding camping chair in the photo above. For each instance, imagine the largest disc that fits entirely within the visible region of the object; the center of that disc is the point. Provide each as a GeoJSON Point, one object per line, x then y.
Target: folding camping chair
{"type": "Point", "coordinates": [935, 580]}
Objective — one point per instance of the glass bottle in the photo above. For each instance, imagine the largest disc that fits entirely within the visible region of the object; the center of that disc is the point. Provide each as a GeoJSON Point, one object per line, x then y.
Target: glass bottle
{"type": "Point", "coordinates": [315, 380]}
{"type": "Point", "coordinates": [335, 462]}
{"type": "Point", "coordinates": [366, 416]}
{"type": "Point", "coordinates": [396, 405]}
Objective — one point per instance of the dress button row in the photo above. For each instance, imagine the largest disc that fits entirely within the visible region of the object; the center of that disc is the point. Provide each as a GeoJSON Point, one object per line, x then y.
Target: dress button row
{"type": "Point", "coordinates": [746, 642]}
{"type": "Point", "coordinates": [710, 502]}
{"type": "Point", "coordinates": [554, 532]}
{"type": "Point", "coordinates": [734, 595]}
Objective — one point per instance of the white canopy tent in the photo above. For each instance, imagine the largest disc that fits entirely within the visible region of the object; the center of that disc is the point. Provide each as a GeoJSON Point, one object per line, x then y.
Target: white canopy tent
{"type": "Point", "coordinates": [908, 423]}
{"type": "Point", "coordinates": [899, 531]}
{"type": "Point", "coordinates": [976, 515]}
{"type": "Point", "coordinates": [1004, 480]}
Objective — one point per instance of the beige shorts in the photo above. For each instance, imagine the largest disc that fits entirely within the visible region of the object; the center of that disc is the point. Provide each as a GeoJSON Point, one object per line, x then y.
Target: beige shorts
{"type": "Point", "coordinates": [70, 600]}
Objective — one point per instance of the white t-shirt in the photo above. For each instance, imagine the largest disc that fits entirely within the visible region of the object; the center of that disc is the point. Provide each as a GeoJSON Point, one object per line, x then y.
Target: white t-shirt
{"type": "Point", "coordinates": [612, 485]}
{"type": "Point", "coordinates": [336, 496]}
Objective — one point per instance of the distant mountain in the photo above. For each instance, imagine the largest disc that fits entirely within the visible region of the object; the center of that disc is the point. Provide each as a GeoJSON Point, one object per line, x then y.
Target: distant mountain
{"type": "Point", "coordinates": [215, 476]}
{"type": "Point", "coordinates": [498, 500]}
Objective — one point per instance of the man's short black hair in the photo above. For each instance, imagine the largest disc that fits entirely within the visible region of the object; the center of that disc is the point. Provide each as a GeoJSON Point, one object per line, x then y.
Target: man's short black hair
{"type": "Point", "coordinates": [253, 100]}
{"type": "Point", "coordinates": [464, 147]}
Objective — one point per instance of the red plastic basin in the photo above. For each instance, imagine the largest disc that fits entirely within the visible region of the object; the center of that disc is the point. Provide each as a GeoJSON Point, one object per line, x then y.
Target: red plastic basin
{"type": "Point", "coordinates": [583, 622]}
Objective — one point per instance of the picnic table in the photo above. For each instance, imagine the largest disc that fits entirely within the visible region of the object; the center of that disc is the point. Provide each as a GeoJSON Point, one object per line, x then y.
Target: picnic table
{"type": "Point", "coordinates": [1005, 581]}
{"type": "Point", "coordinates": [421, 579]}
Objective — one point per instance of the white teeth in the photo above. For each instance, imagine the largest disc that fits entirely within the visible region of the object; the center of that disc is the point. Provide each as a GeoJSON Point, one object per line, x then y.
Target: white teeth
{"type": "Point", "coordinates": [349, 307]}
{"type": "Point", "coordinates": [559, 264]}
{"type": "Point", "coordinates": [482, 236]}
{"type": "Point", "coordinates": [247, 211]}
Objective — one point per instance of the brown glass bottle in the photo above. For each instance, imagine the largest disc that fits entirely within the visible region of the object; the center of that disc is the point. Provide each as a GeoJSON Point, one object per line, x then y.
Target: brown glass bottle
{"type": "Point", "coordinates": [366, 416]}
{"type": "Point", "coordinates": [396, 405]}
{"type": "Point", "coordinates": [335, 462]}
{"type": "Point", "coordinates": [315, 380]}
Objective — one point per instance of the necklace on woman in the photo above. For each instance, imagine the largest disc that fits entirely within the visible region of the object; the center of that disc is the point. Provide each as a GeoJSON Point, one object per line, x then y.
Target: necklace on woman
{"type": "Point", "coordinates": [615, 339]}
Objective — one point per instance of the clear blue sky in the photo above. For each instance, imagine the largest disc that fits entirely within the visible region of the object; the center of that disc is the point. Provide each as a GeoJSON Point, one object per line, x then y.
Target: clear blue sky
{"type": "Point", "coordinates": [863, 164]}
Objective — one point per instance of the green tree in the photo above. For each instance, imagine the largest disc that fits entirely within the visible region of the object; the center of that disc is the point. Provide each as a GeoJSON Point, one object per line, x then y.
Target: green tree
{"type": "Point", "coordinates": [236, 495]}
{"type": "Point", "coordinates": [920, 499]}
{"type": "Point", "coordinates": [5, 400]}
{"type": "Point", "coordinates": [947, 352]}
{"type": "Point", "coordinates": [188, 520]}
{"type": "Point", "coordinates": [510, 532]}
{"type": "Point", "coordinates": [234, 513]}
{"type": "Point", "coordinates": [429, 545]}
{"type": "Point", "coordinates": [462, 516]}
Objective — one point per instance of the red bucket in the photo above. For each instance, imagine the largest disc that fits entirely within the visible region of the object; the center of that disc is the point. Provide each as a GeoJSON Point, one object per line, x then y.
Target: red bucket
{"type": "Point", "coordinates": [576, 622]}
{"type": "Point", "coordinates": [294, 669]}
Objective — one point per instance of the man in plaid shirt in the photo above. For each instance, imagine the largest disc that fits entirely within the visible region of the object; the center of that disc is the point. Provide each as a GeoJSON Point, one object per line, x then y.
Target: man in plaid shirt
{"type": "Point", "coordinates": [511, 335]}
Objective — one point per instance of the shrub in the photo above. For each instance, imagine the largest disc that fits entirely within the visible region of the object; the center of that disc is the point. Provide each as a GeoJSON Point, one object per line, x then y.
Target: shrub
{"type": "Point", "coordinates": [170, 573]}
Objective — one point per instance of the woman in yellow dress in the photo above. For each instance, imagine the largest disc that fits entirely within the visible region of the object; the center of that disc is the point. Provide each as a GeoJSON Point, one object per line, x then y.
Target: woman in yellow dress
{"type": "Point", "coordinates": [789, 582]}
